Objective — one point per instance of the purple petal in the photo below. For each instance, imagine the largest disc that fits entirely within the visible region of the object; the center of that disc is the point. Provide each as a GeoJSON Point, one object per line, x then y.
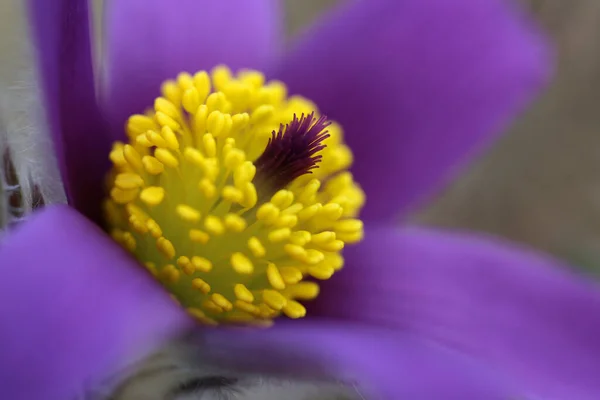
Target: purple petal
{"type": "Point", "coordinates": [149, 41]}
{"type": "Point", "coordinates": [417, 85]}
{"type": "Point", "coordinates": [382, 364]}
{"type": "Point", "coordinates": [524, 313]}
{"type": "Point", "coordinates": [74, 308]}
{"type": "Point", "coordinates": [61, 33]}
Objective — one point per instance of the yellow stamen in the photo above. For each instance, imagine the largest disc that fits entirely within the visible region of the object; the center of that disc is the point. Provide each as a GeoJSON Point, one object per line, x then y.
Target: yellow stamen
{"type": "Point", "coordinates": [186, 199]}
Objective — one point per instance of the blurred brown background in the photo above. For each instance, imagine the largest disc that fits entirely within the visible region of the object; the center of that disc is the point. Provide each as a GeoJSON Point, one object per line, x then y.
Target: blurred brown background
{"type": "Point", "coordinates": [541, 183]}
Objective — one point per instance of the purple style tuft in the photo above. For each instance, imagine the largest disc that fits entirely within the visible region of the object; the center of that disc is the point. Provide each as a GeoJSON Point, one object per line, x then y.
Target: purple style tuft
{"type": "Point", "coordinates": [291, 152]}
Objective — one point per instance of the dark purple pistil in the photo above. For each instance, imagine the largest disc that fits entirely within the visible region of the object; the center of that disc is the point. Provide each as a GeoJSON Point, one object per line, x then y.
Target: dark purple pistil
{"type": "Point", "coordinates": [292, 151]}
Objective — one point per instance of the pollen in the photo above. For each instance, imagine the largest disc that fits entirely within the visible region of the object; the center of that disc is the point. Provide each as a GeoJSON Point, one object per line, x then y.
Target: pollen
{"type": "Point", "coordinates": [236, 196]}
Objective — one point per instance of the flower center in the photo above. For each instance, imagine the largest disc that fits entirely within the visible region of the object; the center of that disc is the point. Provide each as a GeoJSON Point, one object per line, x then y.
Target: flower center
{"type": "Point", "coordinates": [235, 196]}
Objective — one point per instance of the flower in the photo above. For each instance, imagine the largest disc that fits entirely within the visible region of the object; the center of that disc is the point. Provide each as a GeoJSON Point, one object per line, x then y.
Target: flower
{"type": "Point", "coordinates": [418, 86]}
{"type": "Point", "coordinates": [231, 199]}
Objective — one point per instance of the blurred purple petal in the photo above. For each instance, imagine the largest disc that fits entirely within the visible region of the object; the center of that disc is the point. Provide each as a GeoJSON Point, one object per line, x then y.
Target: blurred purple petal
{"type": "Point", "coordinates": [149, 41]}
{"type": "Point", "coordinates": [61, 33]}
{"type": "Point", "coordinates": [524, 313]}
{"type": "Point", "coordinates": [417, 85]}
{"type": "Point", "coordinates": [383, 364]}
{"type": "Point", "coordinates": [74, 308]}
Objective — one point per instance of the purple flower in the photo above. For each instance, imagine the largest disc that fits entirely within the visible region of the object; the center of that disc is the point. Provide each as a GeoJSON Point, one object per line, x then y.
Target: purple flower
{"type": "Point", "coordinates": [419, 86]}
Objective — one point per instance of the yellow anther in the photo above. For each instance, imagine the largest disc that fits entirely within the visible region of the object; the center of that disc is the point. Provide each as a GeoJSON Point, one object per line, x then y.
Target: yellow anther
{"type": "Point", "coordinates": [247, 307]}
{"type": "Point", "coordinates": [241, 264]}
{"type": "Point", "coordinates": [290, 275]}
{"type": "Point", "coordinates": [332, 211]}
{"type": "Point", "coordinates": [293, 209]}
{"type": "Point", "coordinates": [186, 265]}
{"type": "Point", "coordinates": [256, 247]}
{"type": "Point", "coordinates": [265, 311]}
{"type": "Point", "coordinates": [171, 91]}
{"type": "Point", "coordinates": [232, 194]}
{"type": "Point", "coordinates": [244, 173]}
{"type": "Point", "coordinates": [239, 121]}
{"type": "Point", "coordinates": [323, 237]}
{"type": "Point", "coordinates": [156, 139]}
{"type": "Point", "coordinates": [300, 238]}
{"type": "Point", "coordinates": [304, 290]}
{"type": "Point", "coordinates": [193, 156]}
{"type": "Point", "coordinates": [202, 84]}
{"type": "Point", "coordinates": [294, 310]}
{"type": "Point", "coordinates": [239, 92]}
{"type": "Point", "coordinates": [152, 165]}
{"type": "Point", "coordinates": [286, 221]}
{"type": "Point", "coordinates": [166, 157]}
{"type": "Point", "coordinates": [309, 192]}
{"type": "Point", "coordinates": [242, 293]}
{"type": "Point", "coordinates": [202, 264]}
{"type": "Point", "coordinates": [128, 180]}
{"type": "Point", "coordinates": [321, 271]}
{"type": "Point", "coordinates": [165, 120]}
{"type": "Point", "coordinates": [334, 245]}
{"type": "Point", "coordinates": [139, 124]}
{"type": "Point", "coordinates": [279, 235]}
{"type": "Point", "coordinates": [221, 76]}
{"type": "Point", "coordinates": [187, 213]}
{"type": "Point", "coordinates": [201, 285]}
{"type": "Point", "coordinates": [198, 236]}
{"type": "Point", "coordinates": [194, 170]}
{"type": "Point", "coordinates": [274, 277]}
{"type": "Point", "coordinates": [313, 256]}
{"type": "Point", "coordinates": [250, 196]}
{"type": "Point", "coordinates": [210, 146]}
{"type": "Point", "coordinates": [274, 299]}
{"type": "Point", "coordinates": [350, 237]}
{"type": "Point", "coordinates": [349, 225]}
{"type": "Point", "coordinates": [170, 274]}
{"type": "Point", "coordinates": [295, 251]}
{"type": "Point", "coordinates": [165, 247]}
{"type": "Point", "coordinates": [210, 305]}
{"type": "Point", "coordinates": [165, 106]}
{"type": "Point", "coordinates": [199, 120]}
{"type": "Point", "coordinates": [267, 213]}
{"type": "Point", "coordinates": [152, 195]}
{"type": "Point", "coordinates": [207, 188]}
{"type": "Point", "coordinates": [309, 212]}
{"type": "Point", "coordinates": [262, 114]}
{"type": "Point", "coordinates": [154, 228]}
{"type": "Point", "coordinates": [214, 225]}
{"type": "Point", "coordinates": [170, 138]}
{"type": "Point", "coordinates": [218, 123]}
{"type": "Point", "coordinates": [121, 196]}
{"type": "Point", "coordinates": [217, 101]}
{"type": "Point", "coordinates": [235, 223]}
{"type": "Point", "coordinates": [143, 141]}
{"type": "Point", "coordinates": [116, 155]}
{"type": "Point", "coordinates": [191, 100]}
{"type": "Point", "coordinates": [221, 301]}
{"type": "Point", "coordinates": [282, 199]}
{"type": "Point", "coordinates": [235, 158]}
{"type": "Point", "coordinates": [138, 225]}
{"type": "Point", "coordinates": [132, 157]}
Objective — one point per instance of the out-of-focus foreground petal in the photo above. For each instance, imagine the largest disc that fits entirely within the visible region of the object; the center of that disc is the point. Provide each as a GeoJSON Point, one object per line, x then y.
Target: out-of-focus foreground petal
{"type": "Point", "coordinates": [381, 363]}
{"type": "Point", "coordinates": [418, 86]}
{"type": "Point", "coordinates": [61, 33]}
{"type": "Point", "coordinates": [74, 308]}
{"type": "Point", "coordinates": [148, 41]}
{"type": "Point", "coordinates": [522, 312]}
